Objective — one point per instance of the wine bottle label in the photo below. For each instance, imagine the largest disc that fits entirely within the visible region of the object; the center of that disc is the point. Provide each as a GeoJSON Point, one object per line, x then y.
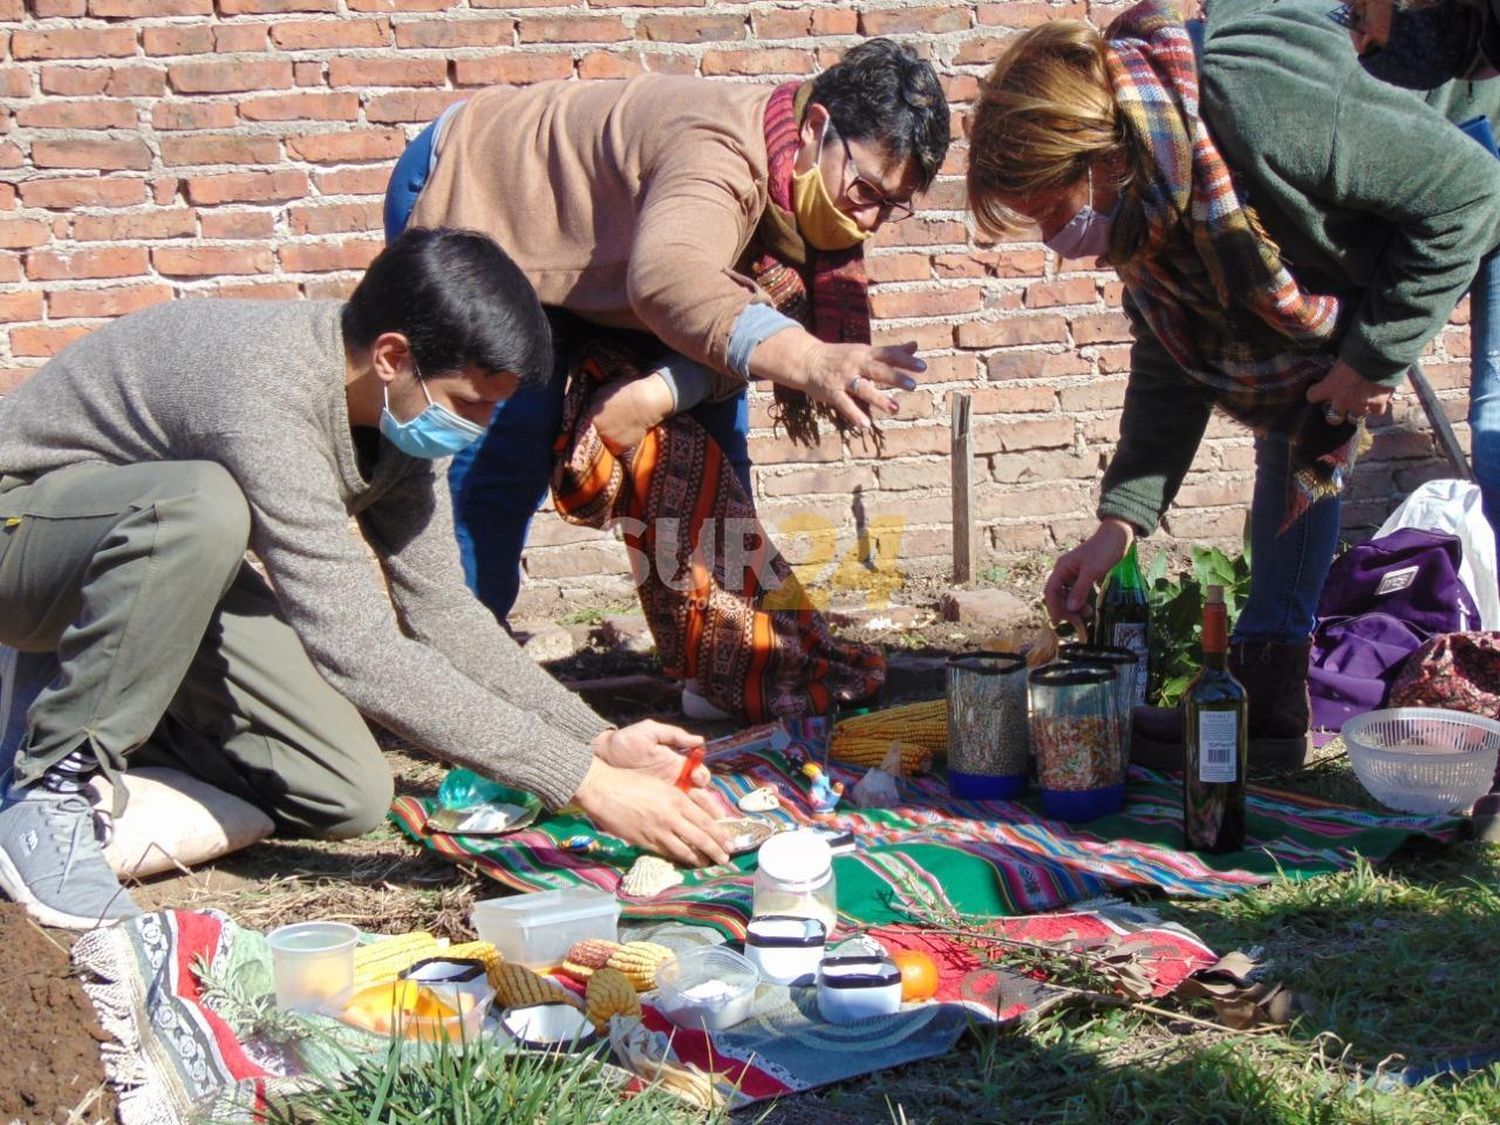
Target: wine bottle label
{"type": "Point", "coordinates": [1132, 635]}
{"type": "Point", "coordinates": [1218, 745]}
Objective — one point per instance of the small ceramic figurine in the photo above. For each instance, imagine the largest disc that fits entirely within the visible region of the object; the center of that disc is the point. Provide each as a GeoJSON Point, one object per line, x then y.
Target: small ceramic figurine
{"type": "Point", "coordinates": [823, 793]}
{"type": "Point", "coordinates": [764, 799]}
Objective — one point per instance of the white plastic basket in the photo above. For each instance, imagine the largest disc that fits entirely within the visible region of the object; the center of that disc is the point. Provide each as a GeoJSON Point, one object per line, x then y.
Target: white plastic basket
{"type": "Point", "coordinates": [1423, 759]}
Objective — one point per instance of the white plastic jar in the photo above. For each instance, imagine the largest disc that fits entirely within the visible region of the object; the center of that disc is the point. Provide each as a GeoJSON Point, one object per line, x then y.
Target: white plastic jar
{"type": "Point", "coordinates": [794, 877]}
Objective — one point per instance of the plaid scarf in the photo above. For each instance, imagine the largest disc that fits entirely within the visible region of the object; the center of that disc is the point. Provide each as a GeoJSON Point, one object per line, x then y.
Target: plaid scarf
{"type": "Point", "coordinates": [1207, 278]}
{"type": "Point", "coordinates": [826, 290]}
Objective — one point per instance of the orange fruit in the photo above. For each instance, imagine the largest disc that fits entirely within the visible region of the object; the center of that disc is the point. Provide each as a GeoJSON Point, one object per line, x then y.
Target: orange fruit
{"type": "Point", "coordinates": [919, 974]}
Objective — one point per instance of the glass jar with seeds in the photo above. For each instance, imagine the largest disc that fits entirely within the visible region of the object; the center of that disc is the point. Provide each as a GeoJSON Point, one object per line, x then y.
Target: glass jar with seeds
{"type": "Point", "coordinates": [1076, 738]}
{"type": "Point", "coordinates": [988, 754]}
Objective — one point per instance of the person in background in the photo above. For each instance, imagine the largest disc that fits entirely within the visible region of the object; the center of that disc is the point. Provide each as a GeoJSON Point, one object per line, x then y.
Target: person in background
{"type": "Point", "coordinates": [1284, 260]}
{"type": "Point", "coordinates": [138, 466]}
{"type": "Point", "coordinates": [722, 226]}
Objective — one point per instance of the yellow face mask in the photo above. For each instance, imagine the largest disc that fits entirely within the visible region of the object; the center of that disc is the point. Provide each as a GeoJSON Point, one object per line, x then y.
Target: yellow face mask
{"type": "Point", "coordinates": [823, 225]}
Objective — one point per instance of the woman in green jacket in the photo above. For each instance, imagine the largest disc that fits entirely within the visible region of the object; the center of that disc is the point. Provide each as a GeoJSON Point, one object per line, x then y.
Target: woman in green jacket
{"type": "Point", "coordinates": [1290, 233]}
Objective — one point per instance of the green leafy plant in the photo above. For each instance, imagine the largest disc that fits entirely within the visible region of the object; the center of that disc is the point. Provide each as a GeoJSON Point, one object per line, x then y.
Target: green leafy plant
{"type": "Point", "coordinates": [1176, 599]}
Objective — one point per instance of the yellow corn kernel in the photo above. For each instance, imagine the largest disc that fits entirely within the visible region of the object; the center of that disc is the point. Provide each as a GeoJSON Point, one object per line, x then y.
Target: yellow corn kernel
{"type": "Point", "coordinates": [639, 960]}
{"type": "Point", "coordinates": [920, 729]}
{"type": "Point", "coordinates": [516, 986]}
{"type": "Point", "coordinates": [379, 961]}
{"type": "Point", "coordinates": [610, 993]}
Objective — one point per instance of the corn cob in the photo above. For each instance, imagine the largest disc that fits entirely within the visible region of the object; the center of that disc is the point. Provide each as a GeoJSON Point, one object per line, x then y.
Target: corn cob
{"type": "Point", "coordinates": [385, 960]}
{"type": "Point", "coordinates": [610, 993]}
{"type": "Point", "coordinates": [516, 986]}
{"type": "Point", "coordinates": [583, 957]}
{"type": "Point", "coordinates": [920, 729]}
{"type": "Point", "coordinates": [639, 960]}
{"type": "Point", "coordinates": [472, 951]}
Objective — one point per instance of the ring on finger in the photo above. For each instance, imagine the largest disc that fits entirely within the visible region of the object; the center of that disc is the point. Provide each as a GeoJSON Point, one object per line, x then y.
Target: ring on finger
{"type": "Point", "coordinates": [854, 382]}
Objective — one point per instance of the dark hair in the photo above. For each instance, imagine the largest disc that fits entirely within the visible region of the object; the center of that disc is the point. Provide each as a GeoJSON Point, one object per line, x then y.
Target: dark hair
{"type": "Point", "coordinates": [883, 92]}
{"type": "Point", "coordinates": [458, 299]}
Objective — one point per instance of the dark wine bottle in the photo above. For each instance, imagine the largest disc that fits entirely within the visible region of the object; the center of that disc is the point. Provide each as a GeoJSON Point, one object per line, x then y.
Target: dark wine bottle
{"type": "Point", "coordinates": [1124, 617]}
{"type": "Point", "coordinates": [1218, 740]}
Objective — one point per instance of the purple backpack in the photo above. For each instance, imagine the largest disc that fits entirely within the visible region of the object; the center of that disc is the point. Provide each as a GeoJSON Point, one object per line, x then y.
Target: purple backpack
{"type": "Point", "coordinates": [1381, 601]}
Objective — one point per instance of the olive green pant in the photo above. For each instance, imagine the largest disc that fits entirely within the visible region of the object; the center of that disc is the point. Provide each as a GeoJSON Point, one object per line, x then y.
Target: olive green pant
{"type": "Point", "coordinates": [170, 650]}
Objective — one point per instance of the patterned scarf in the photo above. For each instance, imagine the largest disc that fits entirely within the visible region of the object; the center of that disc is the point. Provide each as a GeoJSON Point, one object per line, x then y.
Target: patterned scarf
{"type": "Point", "coordinates": [1207, 278]}
{"type": "Point", "coordinates": [699, 558]}
{"type": "Point", "coordinates": [835, 303]}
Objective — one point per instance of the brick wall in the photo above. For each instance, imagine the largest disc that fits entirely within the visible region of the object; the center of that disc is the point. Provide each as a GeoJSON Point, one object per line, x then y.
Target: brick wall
{"type": "Point", "coordinates": [152, 149]}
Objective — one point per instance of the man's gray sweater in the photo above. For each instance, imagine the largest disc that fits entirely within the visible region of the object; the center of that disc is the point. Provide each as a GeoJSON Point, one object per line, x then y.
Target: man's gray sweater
{"type": "Point", "coordinates": [259, 388]}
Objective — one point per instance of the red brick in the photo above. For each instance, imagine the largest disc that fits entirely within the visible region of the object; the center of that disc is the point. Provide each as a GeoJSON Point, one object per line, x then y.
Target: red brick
{"type": "Point", "coordinates": [1004, 366]}
{"type": "Point", "coordinates": [781, 23]}
{"type": "Point", "coordinates": [62, 114]}
{"type": "Point", "coordinates": [573, 29]}
{"type": "Point", "coordinates": [329, 288]}
{"type": "Point", "coordinates": [404, 7]}
{"type": "Point", "coordinates": [897, 441]}
{"type": "Point", "coordinates": [168, 116]}
{"type": "Point", "coordinates": [304, 35]}
{"type": "Point", "coordinates": [73, 81]}
{"type": "Point", "coordinates": [1012, 400]}
{"type": "Point", "coordinates": [58, 9]}
{"type": "Point", "coordinates": [1016, 330]}
{"type": "Point", "coordinates": [921, 231]}
{"type": "Point", "coordinates": [353, 181]}
{"type": "Point", "coordinates": [887, 304]}
{"type": "Point", "coordinates": [176, 222]}
{"type": "Point", "coordinates": [409, 105]}
{"type": "Point", "coordinates": [224, 148]}
{"type": "Point", "coordinates": [511, 69]}
{"type": "Point", "coordinates": [914, 21]}
{"type": "Point", "coordinates": [663, 62]}
{"type": "Point", "coordinates": [11, 156]}
{"type": "Point", "coordinates": [102, 261]}
{"type": "Point", "coordinates": [115, 300]}
{"type": "Point", "coordinates": [23, 234]}
{"type": "Point", "coordinates": [959, 88]}
{"type": "Point", "coordinates": [7, 197]}
{"type": "Point", "coordinates": [927, 337]}
{"type": "Point", "coordinates": [778, 450]}
{"type": "Point", "coordinates": [689, 29]}
{"type": "Point", "coordinates": [301, 107]}
{"type": "Point", "coordinates": [10, 267]}
{"type": "Point", "coordinates": [1108, 395]}
{"type": "Point", "coordinates": [274, 7]}
{"type": "Point", "coordinates": [774, 60]}
{"type": "Point", "coordinates": [238, 224]}
{"type": "Point", "coordinates": [347, 147]}
{"type": "Point", "coordinates": [367, 72]}
{"type": "Point", "coordinates": [323, 257]}
{"type": "Point", "coordinates": [229, 77]}
{"type": "Point", "coordinates": [308, 73]}
{"type": "Point", "coordinates": [335, 218]}
{"type": "Point", "coordinates": [139, 9]}
{"type": "Point", "coordinates": [14, 82]}
{"type": "Point", "coordinates": [841, 479]}
{"type": "Point", "coordinates": [166, 190]}
{"type": "Point", "coordinates": [246, 187]}
{"type": "Point", "coordinates": [178, 39]}
{"type": "Point", "coordinates": [1020, 14]}
{"type": "Point", "coordinates": [1030, 433]}
{"type": "Point", "coordinates": [136, 82]}
{"type": "Point", "coordinates": [239, 39]}
{"type": "Point", "coordinates": [106, 156]}
{"type": "Point", "coordinates": [898, 267]}
{"type": "Point", "coordinates": [212, 261]}
{"type": "Point", "coordinates": [23, 305]}
{"type": "Point", "coordinates": [609, 64]}
{"type": "Point", "coordinates": [252, 291]}
{"type": "Point", "coordinates": [1063, 291]}
{"type": "Point", "coordinates": [451, 33]}
{"type": "Point", "coordinates": [43, 340]}
{"type": "Point", "coordinates": [13, 377]}
{"type": "Point", "coordinates": [65, 194]}
{"type": "Point", "coordinates": [1110, 327]}
{"type": "Point", "coordinates": [73, 43]}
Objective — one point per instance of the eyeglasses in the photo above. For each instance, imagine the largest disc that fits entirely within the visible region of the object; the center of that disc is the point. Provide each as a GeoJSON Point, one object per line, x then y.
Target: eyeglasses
{"type": "Point", "coordinates": [862, 193]}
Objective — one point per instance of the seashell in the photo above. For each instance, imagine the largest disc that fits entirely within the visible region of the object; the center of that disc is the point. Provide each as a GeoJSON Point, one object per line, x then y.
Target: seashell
{"type": "Point", "coordinates": [649, 876]}
{"type": "Point", "coordinates": [745, 833]}
{"type": "Point", "coordinates": [764, 799]}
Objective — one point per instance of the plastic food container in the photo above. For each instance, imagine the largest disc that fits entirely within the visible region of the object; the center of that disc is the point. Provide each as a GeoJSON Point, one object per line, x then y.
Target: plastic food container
{"type": "Point", "coordinates": [786, 949]}
{"type": "Point", "coordinates": [433, 1001]}
{"type": "Point", "coordinates": [549, 1027]}
{"type": "Point", "coordinates": [794, 876]}
{"type": "Point", "coordinates": [1423, 759]}
{"type": "Point", "coordinates": [707, 989]}
{"type": "Point", "coordinates": [312, 964]}
{"type": "Point", "coordinates": [537, 929]}
{"type": "Point", "coordinates": [858, 988]}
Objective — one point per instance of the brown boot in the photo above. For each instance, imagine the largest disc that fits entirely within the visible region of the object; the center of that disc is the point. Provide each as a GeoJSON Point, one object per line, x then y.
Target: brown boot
{"type": "Point", "coordinates": [1274, 677]}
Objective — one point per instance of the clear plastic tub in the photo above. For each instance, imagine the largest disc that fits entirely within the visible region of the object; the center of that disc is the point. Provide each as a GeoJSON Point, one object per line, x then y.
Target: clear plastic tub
{"type": "Point", "coordinates": [707, 989]}
{"type": "Point", "coordinates": [537, 929]}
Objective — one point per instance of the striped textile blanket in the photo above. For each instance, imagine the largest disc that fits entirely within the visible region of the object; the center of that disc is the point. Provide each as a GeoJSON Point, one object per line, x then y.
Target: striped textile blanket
{"type": "Point", "coordinates": [934, 856]}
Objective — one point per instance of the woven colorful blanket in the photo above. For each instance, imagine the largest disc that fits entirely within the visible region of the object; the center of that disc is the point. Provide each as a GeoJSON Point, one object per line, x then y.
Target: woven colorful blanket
{"type": "Point", "coordinates": [935, 856]}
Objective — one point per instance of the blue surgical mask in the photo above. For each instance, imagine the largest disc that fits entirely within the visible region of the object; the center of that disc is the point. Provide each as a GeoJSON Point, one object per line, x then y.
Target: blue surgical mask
{"type": "Point", "coordinates": [435, 433]}
{"type": "Point", "coordinates": [1086, 234]}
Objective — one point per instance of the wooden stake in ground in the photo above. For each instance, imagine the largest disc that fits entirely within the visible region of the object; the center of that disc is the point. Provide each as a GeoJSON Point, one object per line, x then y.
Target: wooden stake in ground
{"type": "Point", "coordinates": [963, 490]}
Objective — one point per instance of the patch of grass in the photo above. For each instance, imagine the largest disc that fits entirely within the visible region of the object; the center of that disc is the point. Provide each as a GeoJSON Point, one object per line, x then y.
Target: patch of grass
{"type": "Point", "coordinates": [594, 615]}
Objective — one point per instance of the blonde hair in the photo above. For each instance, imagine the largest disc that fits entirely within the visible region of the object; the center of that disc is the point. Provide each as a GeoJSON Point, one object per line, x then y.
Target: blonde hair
{"type": "Point", "coordinates": [1046, 113]}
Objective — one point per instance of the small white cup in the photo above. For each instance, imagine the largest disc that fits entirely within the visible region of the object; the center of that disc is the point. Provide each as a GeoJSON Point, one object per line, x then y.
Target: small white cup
{"type": "Point", "coordinates": [313, 964]}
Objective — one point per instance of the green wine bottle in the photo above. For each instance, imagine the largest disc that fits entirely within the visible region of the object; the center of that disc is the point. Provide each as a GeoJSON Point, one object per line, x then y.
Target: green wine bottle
{"type": "Point", "coordinates": [1218, 740]}
{"type": "Point", "coordinates": [1124, 617]}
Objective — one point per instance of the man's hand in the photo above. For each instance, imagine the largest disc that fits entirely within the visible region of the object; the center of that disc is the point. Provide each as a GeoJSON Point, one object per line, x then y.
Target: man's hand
{"type": "Point", "coordinates": [652, 748]}
{"type": "Point", "coordinates": [1347, 395]}
{"type": "Point", "coordinates": [855, 379]}
{"type": "Point", "coordinates": [647, 812]}
{"type": "Point", "coordinates": [1081, 569]}
{"type": "Point", "coordinates": [627, 409]}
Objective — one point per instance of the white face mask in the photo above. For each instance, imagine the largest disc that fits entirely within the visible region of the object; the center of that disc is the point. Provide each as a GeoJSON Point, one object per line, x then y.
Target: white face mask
{"type": "Point", "coordinates": [1086, 234]}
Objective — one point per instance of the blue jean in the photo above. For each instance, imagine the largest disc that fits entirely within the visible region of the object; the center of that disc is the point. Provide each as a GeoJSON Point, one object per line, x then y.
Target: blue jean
{"type": "Point", "coordinates": [1287, 570]}
{"type": "Point", "coordinates": [500, 481]}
